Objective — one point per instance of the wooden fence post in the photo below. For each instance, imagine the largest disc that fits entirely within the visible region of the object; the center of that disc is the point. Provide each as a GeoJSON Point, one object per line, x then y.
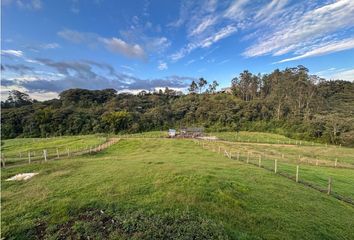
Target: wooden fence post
{"type": "Point", "coordinates": [335, 163]}
{"type": "Point", "coordinates": [45, 155]}
{"type": "Point", "coordinates": [3, 159]}
{"type": "Point", "coordinates": [29, 157]}
{"type": "Point", "coordinates": [297, 173]}
{"type": "Point", "coordinates": [329, 189]}
{"type": "Point", "coordinates": [260, 161]}
{"type": "Point", "coordinates": [275, 165]}
{"type": "Point", "coordinates": [68, 151]}
{"type": "Point", "coordinates": [58, 155]}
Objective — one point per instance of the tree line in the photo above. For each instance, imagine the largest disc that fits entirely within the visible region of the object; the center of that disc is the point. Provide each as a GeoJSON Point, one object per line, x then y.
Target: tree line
{"type": "Point", "coordinates": [290, 102]}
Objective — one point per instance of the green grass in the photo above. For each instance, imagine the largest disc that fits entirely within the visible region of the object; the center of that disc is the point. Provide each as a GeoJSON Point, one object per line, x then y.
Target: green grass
{"type": "Point", "coordinates": [165, 188]}
{"type": "Point", "coordinates": [258, 137]}
{"type": "Point", "coordinates": [152, 134]}
{"type": "Point", "coordinates": [343, 180]}
{"type": "Point", "coordinates": [16, 150]}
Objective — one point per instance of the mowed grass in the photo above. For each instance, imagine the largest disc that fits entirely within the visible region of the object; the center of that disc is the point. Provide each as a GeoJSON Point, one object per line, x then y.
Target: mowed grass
{"type": "Point", "coordinates": [244, 136]}
{"type": "Point", "coordinates": [165, 189]}
{"type": "Point", "coordinates": [287, 159]}
{"type": "Point", "coordinates": [17, 149]}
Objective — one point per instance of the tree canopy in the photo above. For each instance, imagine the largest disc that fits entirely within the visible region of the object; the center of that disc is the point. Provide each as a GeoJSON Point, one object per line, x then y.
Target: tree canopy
{"type": "Point", "coordinates": [289, 102]}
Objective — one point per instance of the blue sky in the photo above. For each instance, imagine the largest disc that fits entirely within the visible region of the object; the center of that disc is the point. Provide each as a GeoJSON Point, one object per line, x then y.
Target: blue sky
{"type": "Point", "coordinates": [50, 46]}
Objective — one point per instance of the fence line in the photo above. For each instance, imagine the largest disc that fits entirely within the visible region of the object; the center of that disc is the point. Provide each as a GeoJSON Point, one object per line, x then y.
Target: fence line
{"type": "Point", "coordinates": [13, 162]}
{"type": "Point", "coordinates": [296, 178]}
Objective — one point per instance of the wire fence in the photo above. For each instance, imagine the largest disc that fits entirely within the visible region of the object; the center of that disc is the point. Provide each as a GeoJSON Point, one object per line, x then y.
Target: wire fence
{"type": "Point", "coordinates": [302, 172]}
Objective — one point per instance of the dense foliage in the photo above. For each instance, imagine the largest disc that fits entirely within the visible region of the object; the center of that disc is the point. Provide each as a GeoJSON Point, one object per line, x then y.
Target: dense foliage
{"type": "Point", "coordinates": [289, 102]}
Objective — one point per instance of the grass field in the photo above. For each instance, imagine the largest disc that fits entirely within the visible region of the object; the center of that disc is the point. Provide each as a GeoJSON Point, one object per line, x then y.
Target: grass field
{"type": "Point", "coordinates": [16, 150]}
{"type": "Point", "coordinates": [166, 188]}
{"type": "Point", "coordinates": [257, 137]}
{"type": "Point", "coordinates": [288, 158]}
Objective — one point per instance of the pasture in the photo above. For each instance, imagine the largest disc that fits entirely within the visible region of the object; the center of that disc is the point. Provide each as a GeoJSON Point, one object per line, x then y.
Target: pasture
{"type": "Point", "coordinates": [146, 187]}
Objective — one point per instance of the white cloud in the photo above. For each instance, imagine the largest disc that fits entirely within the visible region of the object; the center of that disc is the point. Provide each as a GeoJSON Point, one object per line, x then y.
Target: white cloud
{"type": "Point", "coordinates": [119, 46]}
{"type": "Point", "coordinates": [326, 49]}
{"type": "Point", "coordinates": [75, 36]}
{"type": "Point", "coordinates": [50, 46]}
{"type": "Point", "coordinates": [162, 66]}
{"type": "Point", "coordinates": [222, 33]}
{"type": "Point", "coordinates": [11, 52]}
{"type": "Point", "coordinates": [207, 22]}
{"type": "Point", "coordinates": [304, 29]}
{"type": "Point", "coordinates": [337, 74]}
{"type": "Point", "coordinates": [25, 4]}
{"type": "Point", "coordinates": [236, 9]}
{"type": "Point", "coordinates": [157, 44]}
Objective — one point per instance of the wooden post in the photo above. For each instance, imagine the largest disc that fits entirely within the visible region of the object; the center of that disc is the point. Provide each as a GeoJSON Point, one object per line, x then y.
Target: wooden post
{"type": "Point", "coordinates": [275, 165]}
{"type": "Point", "coordinates": [68, 151]}
{"type": "Point", "coordinates": [260, 161]}
{"type": "Point", "coordinates": [230, 154]}
{"type": "Point", "coordinates": [45, 155]}
{"type": "Point", "coordinates": [3, 159]}
{"type": "Point", "coordinates": [219, 149]}
{"type": "Point", "coordinates": [297, 173]}
{"type": "Point", "coordinates": [238, 156]}
{"type": "Point", "coordinates": [329, 189]}
{"type": "Point", "coordinates": [58, 156]}
{"type": "Point", "coordinates": [335, 162]}
{"type": "Point", "coordinates": [29, 157]}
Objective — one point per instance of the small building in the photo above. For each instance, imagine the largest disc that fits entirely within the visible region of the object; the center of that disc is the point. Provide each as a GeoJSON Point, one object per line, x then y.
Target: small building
{"type": "Point", "coordinates": [192, 132]}
{"type": "Point", "coordinates": [171, 133]}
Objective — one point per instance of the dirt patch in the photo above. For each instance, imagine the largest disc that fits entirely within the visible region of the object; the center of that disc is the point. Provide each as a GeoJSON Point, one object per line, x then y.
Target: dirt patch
{"type": "Point", "coordinates": [22, 177]}
{"type": "Point", "coordinates": [97, 224]}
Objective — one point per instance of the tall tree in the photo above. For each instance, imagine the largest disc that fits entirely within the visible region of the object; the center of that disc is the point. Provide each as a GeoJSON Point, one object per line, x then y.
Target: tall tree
{"type": "Point", "coordinates": [193, 87]}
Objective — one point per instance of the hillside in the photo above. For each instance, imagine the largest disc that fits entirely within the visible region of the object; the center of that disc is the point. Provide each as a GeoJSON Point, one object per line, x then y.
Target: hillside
{"type": "Point", "coordinates": [289, 102]}
{"type": "Point", "coordinates": [161, 188]}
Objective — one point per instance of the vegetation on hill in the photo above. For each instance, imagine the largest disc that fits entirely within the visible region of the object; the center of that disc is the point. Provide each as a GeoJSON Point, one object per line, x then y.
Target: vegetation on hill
{"type": "Point", "coordinates": [290, 102]}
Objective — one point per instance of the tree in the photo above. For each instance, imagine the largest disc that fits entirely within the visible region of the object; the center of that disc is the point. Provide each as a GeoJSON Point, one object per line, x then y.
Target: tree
{"type": "Point", "coordinates": [213, 86]}
{"type": "Point", "coordinates": [117, 121]}
{"type": "Point", "coordinates": [18, 99]}
{"type": "Point", "coordinates": [193, 87]}
{"type": "Point", "coordinates": [201, 84]}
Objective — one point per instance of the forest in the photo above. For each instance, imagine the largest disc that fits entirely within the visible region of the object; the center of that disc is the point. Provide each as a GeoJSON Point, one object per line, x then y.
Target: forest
{"type": "Point", "coordinates": [290, 102]}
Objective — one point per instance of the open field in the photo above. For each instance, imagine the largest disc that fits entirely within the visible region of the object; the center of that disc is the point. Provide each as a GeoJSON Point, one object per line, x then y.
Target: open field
{"type": "Point", "coordinates": [17, 150]}
{"type": "Point", "coordinates": [316, 164]}
{"type": "Point", "coordinates": [257, 137]}
{"type": "Point", "coordinates": [173, 188]}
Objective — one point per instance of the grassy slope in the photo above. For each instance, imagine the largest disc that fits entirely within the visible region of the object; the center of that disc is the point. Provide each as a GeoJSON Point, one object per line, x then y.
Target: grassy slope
{"type": "Point", "coordinates": [343, 180]}
{"type": "Point", "coordinates": [13, 147]}
{"type": "Point", "coordinates": [174, 178]}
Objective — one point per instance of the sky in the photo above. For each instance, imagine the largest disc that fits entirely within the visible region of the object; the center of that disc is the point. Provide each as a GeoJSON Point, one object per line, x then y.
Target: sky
{"type": "Point", "coordinates": [49, 46]}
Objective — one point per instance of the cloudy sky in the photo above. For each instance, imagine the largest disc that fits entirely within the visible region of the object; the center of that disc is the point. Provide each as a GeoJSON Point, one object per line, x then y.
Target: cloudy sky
{"type": "Point", "coordinates": [49, 46]}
